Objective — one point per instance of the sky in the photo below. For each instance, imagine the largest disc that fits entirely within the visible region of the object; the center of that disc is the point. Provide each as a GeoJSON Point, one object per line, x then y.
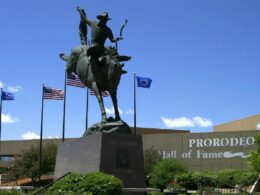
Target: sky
{"type": "Point", "coordinates": [203, 57]}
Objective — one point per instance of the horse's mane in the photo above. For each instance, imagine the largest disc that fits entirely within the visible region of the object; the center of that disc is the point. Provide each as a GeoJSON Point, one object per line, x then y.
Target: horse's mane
{"type": "Point", "coordinates": [111, 52]}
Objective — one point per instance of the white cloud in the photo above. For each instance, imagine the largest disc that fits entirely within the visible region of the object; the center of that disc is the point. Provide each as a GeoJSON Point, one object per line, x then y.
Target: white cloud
{"type": "Point", "coordinates": [53, 137]}
{"type": "Point", "coordinates": [129, 112]}
{"type": "Point", "coordinates": [14, 89]}
{"type": "Point", "coordinates": [202, 122]}
{"type": "Point", "coordinates": [196, 121]}
{"type": "Point", "coordinates": [30, 135]}
{"type": "Point", "coordinates": [120, 111]}
{"type": "Point", "coordinates": [177, 122]}
{"type": "Point", "coordinates": [111, 110]}
{"type": "Point", "coordinates": [8, 119]}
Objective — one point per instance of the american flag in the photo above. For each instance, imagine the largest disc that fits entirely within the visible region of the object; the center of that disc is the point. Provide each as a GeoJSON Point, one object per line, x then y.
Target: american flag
{"type": "Point", "coordinates": [103, 93]}
{"type": "Point", "coordinates": [73, 80]}
{"type": "Point", "coordinates": [52, 94]}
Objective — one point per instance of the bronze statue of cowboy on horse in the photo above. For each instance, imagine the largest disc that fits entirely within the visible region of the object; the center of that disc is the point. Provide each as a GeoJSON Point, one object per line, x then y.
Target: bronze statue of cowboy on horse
{"type": "Point", "coordinates": [99, 68]}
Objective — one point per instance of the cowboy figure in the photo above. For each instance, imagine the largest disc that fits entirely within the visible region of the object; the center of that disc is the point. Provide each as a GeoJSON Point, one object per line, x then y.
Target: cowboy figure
{"type": "Point", "coordinates": [99, 33]}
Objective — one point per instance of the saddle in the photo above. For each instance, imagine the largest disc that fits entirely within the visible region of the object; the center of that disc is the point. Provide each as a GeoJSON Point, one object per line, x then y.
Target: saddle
{"type": "Point", "coordinates": [93, 59]}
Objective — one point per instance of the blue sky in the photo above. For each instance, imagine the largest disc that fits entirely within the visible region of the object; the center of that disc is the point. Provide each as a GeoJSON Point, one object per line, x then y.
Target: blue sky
{"type": "Point", "coordinates": [203, 57]}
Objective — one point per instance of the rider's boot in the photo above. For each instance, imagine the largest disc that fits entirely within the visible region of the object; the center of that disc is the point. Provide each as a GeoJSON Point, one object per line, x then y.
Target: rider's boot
{"type": "Point", "coordinates": [92, 59]}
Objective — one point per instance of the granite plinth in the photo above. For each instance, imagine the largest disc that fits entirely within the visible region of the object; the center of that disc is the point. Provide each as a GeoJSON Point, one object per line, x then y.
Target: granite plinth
{"type": "Point", "coordinates": [118, 154]}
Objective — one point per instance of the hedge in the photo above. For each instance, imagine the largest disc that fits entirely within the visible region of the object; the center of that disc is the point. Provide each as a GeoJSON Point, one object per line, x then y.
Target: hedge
{"type": "Point", "coordinates": [87, 184]}
{"type": "Point", "coordinates": [223, 179]}
{"type": "Point", "coordinates": [164, 171]}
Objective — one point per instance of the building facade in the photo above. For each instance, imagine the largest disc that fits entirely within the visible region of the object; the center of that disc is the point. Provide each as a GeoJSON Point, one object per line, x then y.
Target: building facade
{"type": "Point", "coordinates": [244, 124]}
{"type": "Point", "coordinates": [205, 151]}
{"type": "Point", "coordinates": [227, 147]}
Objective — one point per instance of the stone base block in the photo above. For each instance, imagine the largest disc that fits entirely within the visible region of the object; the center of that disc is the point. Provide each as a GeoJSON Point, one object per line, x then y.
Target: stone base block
{"type": "Point", "coordinates": [118, 154]}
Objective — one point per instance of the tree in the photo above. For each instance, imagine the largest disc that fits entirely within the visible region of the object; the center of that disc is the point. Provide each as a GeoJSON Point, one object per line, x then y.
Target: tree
{"type": "Point", "coordinates": [254, 159]}
{"type": "Point", "coordinates": [49, 158]}
{"type": "Point", "coordinates": [151, 158]}
{"type": "Point", "coordinates": [165, 171]}
{"type": "Point", "coordinates": [27, 164]}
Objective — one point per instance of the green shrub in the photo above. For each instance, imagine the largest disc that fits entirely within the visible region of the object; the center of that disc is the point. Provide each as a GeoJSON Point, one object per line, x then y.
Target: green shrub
{"type": "Point", "coordinates": [164, 171]}
{"type": "Point", "coordinates": [204, 180]}
{"type": "Point", "coordinates": [247, 178]}
{"type": "Point", "coordinates": [187, 181]}
{"type": "Point", "coordinates": [254, 159]}
{"type": "Point", "coordinates": [151, 158]}
{"type": "Point", "coordinates": [234, 176]}
{"type": "Point", "coordinates": [226, 178]}
{"type": "Point", "coordinates": [88, 184]}
{"type": "Point", "coordinates": [10, 192]}
{"type": "Point", "coordinates": [4, 170]}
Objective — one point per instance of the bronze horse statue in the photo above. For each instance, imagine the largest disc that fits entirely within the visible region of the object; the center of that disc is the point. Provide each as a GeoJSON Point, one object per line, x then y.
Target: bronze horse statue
{"type": "Point", "coordinates": [96, 75]}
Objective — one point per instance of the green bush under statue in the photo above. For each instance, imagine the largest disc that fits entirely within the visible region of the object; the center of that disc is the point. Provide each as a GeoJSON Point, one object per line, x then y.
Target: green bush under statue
{"type": "Point", "coordinates": [88, 184]}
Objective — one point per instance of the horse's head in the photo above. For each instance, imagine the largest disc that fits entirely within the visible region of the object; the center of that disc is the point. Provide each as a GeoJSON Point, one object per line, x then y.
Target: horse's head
{"type": "Point", "coordinates": [72, 59]}
{"type": "Point", "coordinates": [69, 66]}
{"type": "Point", "coordinates": [115, 67]}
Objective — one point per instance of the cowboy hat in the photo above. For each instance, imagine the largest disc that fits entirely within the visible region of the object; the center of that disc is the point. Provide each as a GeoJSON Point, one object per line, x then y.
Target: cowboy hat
{"type": "Point", "coordinates": [103, 15]}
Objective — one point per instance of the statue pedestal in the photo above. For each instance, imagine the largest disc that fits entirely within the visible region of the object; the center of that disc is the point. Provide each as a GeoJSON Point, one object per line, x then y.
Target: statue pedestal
{"type": "Point", "coordinates": [118, 154]}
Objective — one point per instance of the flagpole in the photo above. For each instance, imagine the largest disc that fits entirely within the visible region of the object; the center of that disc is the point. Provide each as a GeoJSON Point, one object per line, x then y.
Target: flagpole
{"type": "Point", "coordinates": [135, 103]}
{"type": "Point", "coordinates": [86, 126]}
{"type": "Point", "coordinates": [64, 106]}
{"type": "Point", "coordinates": [40, 148]}
{"type": "Point", "coordinates": [1, 118]}
{"type": "Point", "coordinates": [1, 114]}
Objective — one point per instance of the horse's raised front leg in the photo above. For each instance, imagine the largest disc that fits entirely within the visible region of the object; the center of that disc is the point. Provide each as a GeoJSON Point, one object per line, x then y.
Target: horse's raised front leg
{"type": "Point", "coordinates": [114, 100]}
{"type": "Point", "coordinates": [100, 102]}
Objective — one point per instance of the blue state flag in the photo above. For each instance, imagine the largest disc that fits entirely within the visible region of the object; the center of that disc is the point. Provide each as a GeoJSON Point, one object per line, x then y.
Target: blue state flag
{"type": "Point", "coordinates": [7, 96]}
{"type": "Point", "coordinates": [144, 82]}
